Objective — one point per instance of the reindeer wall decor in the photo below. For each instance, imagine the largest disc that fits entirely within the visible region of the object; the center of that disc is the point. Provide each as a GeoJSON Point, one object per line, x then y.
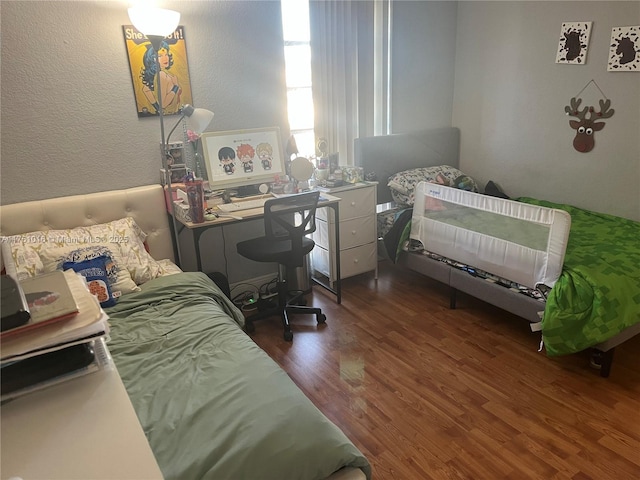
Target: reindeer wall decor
{"type": "Point", "coordinates": [584, 140]}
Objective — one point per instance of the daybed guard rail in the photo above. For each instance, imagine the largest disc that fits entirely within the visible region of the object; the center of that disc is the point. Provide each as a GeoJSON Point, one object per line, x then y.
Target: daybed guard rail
{"type": "Point", "coordinates": [516, 241]}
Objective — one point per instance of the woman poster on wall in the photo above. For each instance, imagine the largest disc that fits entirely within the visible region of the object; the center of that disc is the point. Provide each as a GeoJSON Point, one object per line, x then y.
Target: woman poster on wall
{"type": "Point", "coordinates": [175, 84]}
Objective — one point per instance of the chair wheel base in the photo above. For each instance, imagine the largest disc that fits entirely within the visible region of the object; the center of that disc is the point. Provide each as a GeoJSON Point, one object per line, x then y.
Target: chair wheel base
{"type": "Point", "coordinates": [296, 297]}
{"type": "Point", "coordinates": [321, 318]}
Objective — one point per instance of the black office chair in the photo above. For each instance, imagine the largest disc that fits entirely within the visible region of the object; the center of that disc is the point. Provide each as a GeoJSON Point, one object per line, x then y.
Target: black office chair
{"type": "Point", "coordinates": [287, 222]}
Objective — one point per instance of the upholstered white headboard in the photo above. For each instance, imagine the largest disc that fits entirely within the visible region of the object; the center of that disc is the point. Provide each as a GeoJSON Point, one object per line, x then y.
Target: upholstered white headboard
{"type": "Point", "coordinates": [145, 204]}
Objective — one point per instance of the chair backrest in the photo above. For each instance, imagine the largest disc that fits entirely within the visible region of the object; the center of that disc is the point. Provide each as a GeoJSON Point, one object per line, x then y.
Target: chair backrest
{"type": "Point", "coordinates": [291, 218]}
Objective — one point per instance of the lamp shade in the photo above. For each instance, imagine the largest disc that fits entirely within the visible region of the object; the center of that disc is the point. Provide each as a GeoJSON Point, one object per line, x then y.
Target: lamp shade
{"type": "Point", "coordinates": [197, 118]}
{"type": "Point", "coordinates": [154, 21]}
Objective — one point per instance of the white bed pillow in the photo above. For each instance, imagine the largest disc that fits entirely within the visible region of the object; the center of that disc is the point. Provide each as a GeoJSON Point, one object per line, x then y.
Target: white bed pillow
{"type": "Point", "coordinates": [39, 252]}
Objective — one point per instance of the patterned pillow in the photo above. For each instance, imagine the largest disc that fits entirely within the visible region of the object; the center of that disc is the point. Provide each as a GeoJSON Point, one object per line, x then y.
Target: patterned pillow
{"type": "Point", "coordinates": [403, 184]}
{"type": "Point", "coordinates": [119, 277]}
{"type": "Point", "coordinates": [168, 267]}
{"type": "Point", "coordinates": [95, 270]}
{"type": "Point", "coordinates": [123, 238]}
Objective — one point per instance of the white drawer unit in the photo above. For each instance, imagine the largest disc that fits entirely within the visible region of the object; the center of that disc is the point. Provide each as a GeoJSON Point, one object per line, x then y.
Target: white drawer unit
{"type": "Point", "coordinates": [358, 237]}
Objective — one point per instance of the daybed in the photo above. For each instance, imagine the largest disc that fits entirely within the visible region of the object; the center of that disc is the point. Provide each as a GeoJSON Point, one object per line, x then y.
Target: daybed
{"type": "Point", "coordinates": [590, 302]}
{"type": "Point", "coordinates": [211, 402]}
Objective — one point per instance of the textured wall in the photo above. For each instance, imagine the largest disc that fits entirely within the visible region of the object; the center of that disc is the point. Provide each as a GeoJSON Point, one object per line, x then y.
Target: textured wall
{"type": "Point", "coordinates": [510, 97]}
{"type": "Point", "coordinates": [69, 123]}
{"type": "Point", "coordinates": [423, 48]}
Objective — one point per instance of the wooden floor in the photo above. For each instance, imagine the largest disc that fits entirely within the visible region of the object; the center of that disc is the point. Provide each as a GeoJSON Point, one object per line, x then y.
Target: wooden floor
{"type": "Point", "coordinates": [428, 392]}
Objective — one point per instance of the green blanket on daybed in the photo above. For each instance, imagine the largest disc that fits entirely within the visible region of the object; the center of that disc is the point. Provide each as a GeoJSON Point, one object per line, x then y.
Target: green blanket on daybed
{"type": "Point", "coordinates": [598, 293]}
{"type": "Point", "coordinates": [211, 402]}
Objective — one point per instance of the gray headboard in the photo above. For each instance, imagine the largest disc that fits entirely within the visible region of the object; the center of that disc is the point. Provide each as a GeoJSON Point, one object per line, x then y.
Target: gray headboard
{"type": "Point", "coordinates": [389, 154]}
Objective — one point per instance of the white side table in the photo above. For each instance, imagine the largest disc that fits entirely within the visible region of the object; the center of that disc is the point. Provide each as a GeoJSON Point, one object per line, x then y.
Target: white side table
{"type": "Point", "coordinates": [358, 233]}
{"type": "Point", "coordinates": [82, 428]}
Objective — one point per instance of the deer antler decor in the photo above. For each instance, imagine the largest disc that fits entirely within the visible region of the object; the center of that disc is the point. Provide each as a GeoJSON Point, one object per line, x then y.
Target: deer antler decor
{"type": "Point", "coordinates": [586, 127]}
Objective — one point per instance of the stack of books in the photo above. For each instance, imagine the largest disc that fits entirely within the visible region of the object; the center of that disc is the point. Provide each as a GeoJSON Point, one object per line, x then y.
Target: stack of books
{"type": "Point", "coordinates": [53, 329]}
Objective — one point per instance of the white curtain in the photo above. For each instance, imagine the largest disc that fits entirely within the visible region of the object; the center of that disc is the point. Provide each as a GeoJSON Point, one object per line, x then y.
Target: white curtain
{"type": "Point", "coordinates": [342, 72]}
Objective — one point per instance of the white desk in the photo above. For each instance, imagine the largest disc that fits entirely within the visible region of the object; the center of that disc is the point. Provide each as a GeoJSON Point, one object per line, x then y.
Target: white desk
{"type": "Point", "coordinates": [84, 428]}
{"type": "Point", "coordinates": [326, 200]}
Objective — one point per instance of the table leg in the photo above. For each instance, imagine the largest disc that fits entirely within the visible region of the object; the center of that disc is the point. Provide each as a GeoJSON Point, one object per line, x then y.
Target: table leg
{"type": "Point", "coordinates": [197, 233]}
{"type": "Point", "coordinates": [336, 219]}
{"type": "Point", "coordinates": [337, 291]}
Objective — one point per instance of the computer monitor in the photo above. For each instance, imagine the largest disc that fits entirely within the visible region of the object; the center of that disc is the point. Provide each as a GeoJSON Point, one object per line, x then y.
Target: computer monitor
{"type": "Point", "coordinates": [243, 157]}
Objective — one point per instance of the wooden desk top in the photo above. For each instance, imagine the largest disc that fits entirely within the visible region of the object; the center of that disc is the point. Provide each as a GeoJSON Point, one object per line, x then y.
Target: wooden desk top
{"type": "Point", "coordinates": [249, 214]}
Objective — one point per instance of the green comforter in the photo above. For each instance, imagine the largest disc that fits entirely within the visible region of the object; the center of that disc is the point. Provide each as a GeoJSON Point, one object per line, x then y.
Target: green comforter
{"type": "Point", "coordinates": [598, 293]}
{"type": "Point", "coordinates": [211, 402]}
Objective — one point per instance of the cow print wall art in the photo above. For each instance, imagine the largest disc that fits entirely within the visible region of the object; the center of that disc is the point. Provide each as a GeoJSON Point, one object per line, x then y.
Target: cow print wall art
{"type": "Point", "coordinates": [624, 51]}
{"type": "Point", "coordinates": [574, 43]}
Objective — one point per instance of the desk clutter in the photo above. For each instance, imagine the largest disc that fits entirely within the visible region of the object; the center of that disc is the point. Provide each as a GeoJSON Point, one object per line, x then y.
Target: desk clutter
{"type": "Point", "coordinates": [194, 201]}
{"type": "Point", "coordinates": [54, 344]}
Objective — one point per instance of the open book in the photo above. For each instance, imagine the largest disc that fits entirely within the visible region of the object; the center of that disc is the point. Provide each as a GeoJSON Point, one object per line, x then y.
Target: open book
{"type": "Point", "coordinates": [89, 321]}
{"type": "Point", "coordinates": [49, 300]}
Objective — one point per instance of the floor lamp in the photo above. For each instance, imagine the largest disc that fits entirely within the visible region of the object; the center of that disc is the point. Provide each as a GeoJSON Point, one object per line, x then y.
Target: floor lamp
{"type": "Point", "coordinates": [156, 24]}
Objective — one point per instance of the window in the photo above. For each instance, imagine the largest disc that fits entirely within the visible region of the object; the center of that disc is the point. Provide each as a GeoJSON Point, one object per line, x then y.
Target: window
{"type": "Point", "coordinates": [297, 56]}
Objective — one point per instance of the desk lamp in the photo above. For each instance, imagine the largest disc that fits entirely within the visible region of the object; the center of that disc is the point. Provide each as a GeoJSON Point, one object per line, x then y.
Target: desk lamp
{"type": "Point", "coordinates": [156, 24]}
{"type": "Point", "coordinates": [197, 118]}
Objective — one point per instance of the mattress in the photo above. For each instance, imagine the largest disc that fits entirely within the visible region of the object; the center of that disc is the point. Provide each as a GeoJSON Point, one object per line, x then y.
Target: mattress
{"type": "Point", "coordinates": [211, 402]}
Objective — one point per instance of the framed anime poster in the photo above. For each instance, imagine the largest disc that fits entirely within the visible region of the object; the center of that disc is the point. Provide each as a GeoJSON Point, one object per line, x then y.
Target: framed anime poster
{"type": "Point", "coordinates": [174, 72]}
{"type": "Point", "coordinates": [243, 157]}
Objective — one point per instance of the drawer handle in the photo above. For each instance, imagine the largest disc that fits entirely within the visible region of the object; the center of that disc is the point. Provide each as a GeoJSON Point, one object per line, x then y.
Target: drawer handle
{"type": "Point", "coordinates": [353, 204]}
{"type": "Point", "coordinates": [355, 260]}
{"type": "Point", "coordinates": [353, 232]}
